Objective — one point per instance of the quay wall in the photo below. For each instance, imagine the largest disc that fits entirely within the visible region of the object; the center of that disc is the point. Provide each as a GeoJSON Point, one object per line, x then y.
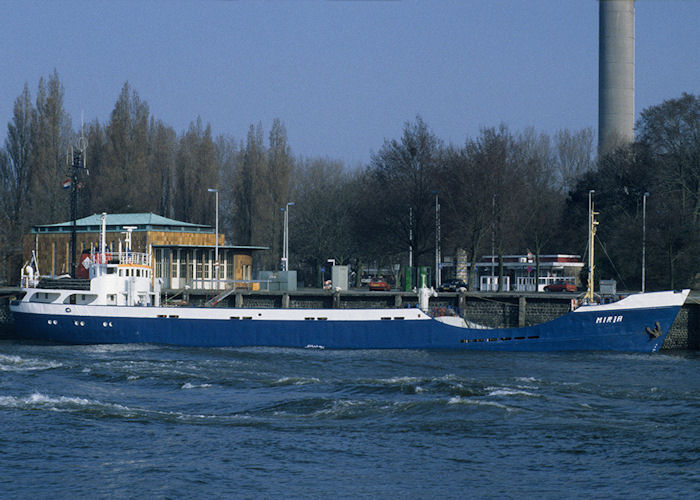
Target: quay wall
{"type": "Point", "coordinates": [5, 317]}
{"type": "Point", "coordinates": [506, 309]}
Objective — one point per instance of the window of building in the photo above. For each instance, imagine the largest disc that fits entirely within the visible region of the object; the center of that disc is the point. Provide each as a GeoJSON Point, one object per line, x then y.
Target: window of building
{"type": "Point", "coordinates": [229, 265]}
{"type": "Point", "coordinates": [247, 272]}
{"type": "Point", "coordinates": [159, 262]}
{"type": "Point", "coordinates": [199, 261]}
{"type": "Point", "coordinates": [183, 263]}
{"type": "Point", "coordinates": [175, 263]}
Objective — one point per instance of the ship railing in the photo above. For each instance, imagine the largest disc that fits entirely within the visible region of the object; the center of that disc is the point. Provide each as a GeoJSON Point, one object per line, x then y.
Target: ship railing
{"type": "Point", "coordinates": [136, 258]}
{"type": "Point", "coordinates": [29, 281]}
{"type": "Point", "coordinates": [225, 284]}
{"type": "Point", "coordinates": [133, 258]}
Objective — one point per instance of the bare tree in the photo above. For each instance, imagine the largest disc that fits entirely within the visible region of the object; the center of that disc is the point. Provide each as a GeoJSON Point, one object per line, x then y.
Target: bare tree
{"type": "Point", "coordinates": [671, 131]}
{"type": "Point", "coordinates": [227, 156]}
{"type": "Point", "coordinates": [197, 170]}
{"type": "Point", "coordinates": [51, 137]}
{"type": "Point", "coordinates": [278, 175]}
{"type": "Point", "coordinates": [15, 172]}
{"type": "Point", "coordinates": [121, 179]}
{"type": "Point", "coordinates": [404, 177]}
{"type": "Point", "coordinates": [542, 199]}
{"type": "Point", "coordinates": [162, 142]}
{"type": "Point", "coordinates": [573, 156]}
{"type": "Point", "coordinates": [320, 226]}
{"type": "Point", "coordinates": [250, 189]}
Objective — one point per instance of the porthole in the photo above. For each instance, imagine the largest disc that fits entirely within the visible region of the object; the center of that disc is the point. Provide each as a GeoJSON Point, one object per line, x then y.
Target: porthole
{"type": "Point", "coordinates": [104, 323]}
{"type": "Point", "coordinates": [76, 323]}
{"type": "Point", "coordinates": [50, 322]}
{"type": "Point", "coordinates": [82, 323]}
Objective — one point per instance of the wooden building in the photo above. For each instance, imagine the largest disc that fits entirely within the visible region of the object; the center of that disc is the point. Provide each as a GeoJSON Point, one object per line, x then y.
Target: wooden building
{"type": "Point", "coordinates": [183, 253]}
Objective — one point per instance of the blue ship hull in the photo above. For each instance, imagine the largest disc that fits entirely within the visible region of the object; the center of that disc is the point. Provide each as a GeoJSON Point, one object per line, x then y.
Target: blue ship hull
{"type": "Point", "coordinates": [618, 330]}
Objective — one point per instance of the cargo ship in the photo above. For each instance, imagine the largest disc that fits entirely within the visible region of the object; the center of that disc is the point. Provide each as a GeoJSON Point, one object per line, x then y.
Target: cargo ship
{"type": "Point", "coordinates": [120, 302]}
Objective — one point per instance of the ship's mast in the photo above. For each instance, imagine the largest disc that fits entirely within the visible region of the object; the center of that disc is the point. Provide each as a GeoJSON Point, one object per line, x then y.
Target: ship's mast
{"type": "Point", "coordinates": [592, 223]}
{"type": "Point", "coordinates": [76, 165]}
{"type": "Point", "coordinates": [103, 238]}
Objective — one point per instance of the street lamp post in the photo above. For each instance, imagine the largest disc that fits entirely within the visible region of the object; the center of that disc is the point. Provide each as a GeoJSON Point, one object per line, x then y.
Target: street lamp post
{"type": "Point", "coordinates": [410, 236]}
{"type": "Point", "coordinates": [644, 239]}
{"type": "Point", "coordinates": [437, 241]}
{"type": "Point", "coordinates": [493, 243]}
{"type": "Point", "coordinates": [285, 238]}
{"type": "Point", "coordinates": [216, 243]}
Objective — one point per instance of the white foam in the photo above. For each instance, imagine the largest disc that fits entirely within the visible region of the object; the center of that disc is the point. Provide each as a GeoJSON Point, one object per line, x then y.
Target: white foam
{"type": "Point", "coordinates": [297, 380]}
{"type": "Point", "coordinates": [195, 386]}
{"type": "Point", "coordinates": [39, 400]}
{"type": "Point", "coordinates": [339, 408]}
{"type": "Point", "coordinates": [507, 391]}
{"type": "Point", "coordinates": [19, 364]}
{"type": "Point", "coordinates": [101, 348]}
{"type": "Point", "coordinates": [401, 380]}
{"type": "Point", "coordinates": [478, 402]}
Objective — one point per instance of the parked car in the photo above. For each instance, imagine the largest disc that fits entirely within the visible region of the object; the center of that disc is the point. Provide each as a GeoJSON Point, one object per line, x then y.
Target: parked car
{"type": "Point", "coordinates": [561, 286]}
{"type": "Point", "coordinates": [379, 284]}
{"type": "Point", "coordinates": [453, 286]}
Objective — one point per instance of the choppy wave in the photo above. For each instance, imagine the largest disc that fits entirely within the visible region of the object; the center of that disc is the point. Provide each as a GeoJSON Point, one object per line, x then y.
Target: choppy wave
{"type": "Point", "coordinates": [229, 419]}
{"type": "Point", "coordinates": [118, 348]}
{"type": "Point", "coordinates": [296, 381]}
{"type": "Point", "coordinates": [508, 391]}
{"type": "Point", "coordinates": [478, 402]}
{"type": "Point", "coordinates": [98, 409]}
{"type": "Point", "coordinates": [347, 409]}
{"type": "Point", "coordinates": [14, 363]}
{"type": "Point", "coordinates": [449, 384]}
{"type": "Point", "coordinates": [188, 385]}
{"type": "Point", "coordinates": [39, 401]}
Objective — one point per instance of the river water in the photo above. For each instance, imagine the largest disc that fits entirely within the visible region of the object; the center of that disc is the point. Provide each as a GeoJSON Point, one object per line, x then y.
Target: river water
{"type": "Point", "coordinates": [165, 422]}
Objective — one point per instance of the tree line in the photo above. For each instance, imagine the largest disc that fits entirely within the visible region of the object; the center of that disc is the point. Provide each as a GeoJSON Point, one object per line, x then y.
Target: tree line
{"type": "Point", "coordinates": [504, 190]}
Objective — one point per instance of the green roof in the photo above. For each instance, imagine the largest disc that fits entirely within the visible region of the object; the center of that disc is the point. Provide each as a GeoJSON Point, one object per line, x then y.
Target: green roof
{"type": "Point", "coordinates": [116, 222]}
{"type": "Point", "coordinates": [221, 247]}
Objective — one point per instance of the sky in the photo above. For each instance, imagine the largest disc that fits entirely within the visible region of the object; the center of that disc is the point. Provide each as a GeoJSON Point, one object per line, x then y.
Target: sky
{"type": "Point", "coordinates": [343, 76]}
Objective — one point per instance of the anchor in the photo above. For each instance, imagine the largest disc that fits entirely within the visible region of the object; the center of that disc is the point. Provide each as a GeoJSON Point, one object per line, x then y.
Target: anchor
{"type": "Point", "coordinates": [655, 332]}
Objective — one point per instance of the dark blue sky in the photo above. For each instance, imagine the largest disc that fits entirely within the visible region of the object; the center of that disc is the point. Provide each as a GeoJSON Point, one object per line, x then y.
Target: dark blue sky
{"type": "Point", "coordinates": [342, 76]}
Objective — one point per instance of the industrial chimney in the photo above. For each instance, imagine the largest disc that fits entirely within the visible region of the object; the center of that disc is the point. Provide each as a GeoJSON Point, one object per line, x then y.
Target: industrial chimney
{"type": "Point", "coordinates": [615, 74]}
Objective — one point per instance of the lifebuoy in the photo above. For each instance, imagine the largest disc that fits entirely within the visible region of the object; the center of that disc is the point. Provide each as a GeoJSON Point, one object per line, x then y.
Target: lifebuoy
{"type": "Point", "coordinates": [104, 258]}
